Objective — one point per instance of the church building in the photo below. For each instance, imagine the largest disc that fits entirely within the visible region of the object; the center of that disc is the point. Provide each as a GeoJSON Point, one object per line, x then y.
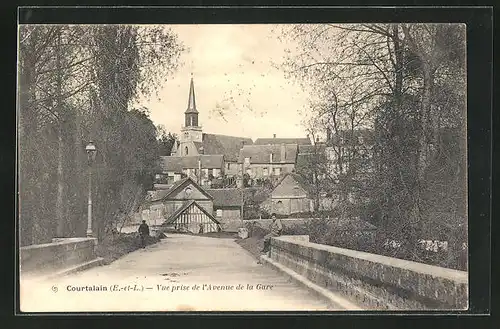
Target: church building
{"type": "Point", "coordinates": [205, 157]}
{"type": "Point", "coordinates": [201, 155]}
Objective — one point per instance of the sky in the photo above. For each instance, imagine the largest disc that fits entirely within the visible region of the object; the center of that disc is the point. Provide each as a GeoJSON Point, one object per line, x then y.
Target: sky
{"type": "Point", "coordinates": [238, 90]}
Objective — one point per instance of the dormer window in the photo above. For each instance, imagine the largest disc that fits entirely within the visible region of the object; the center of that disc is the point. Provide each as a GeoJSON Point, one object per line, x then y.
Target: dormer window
{"type": "Point", "coordinates": [247, 160]}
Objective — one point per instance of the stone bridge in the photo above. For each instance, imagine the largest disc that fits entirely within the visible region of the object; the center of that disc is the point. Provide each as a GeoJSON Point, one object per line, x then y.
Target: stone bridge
{"type": "Point", "coordinates": [195, 273]}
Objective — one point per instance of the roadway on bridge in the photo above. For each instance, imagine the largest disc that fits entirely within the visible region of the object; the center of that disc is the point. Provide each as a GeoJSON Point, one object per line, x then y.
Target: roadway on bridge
{"type": "Point", "coordinates": [156, 279]}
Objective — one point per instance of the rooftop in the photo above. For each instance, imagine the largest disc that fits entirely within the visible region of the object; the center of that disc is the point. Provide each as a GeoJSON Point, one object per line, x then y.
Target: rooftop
{"type": "Point", "coordinates": [261, 153]}
{"type": "Point", "coordinates": [229, 146]}
{"type": "Point", "coordinates": [229, 197]}
{"type": "Point", "coordinates": [275, 141]}
{"type": "Point", "coordinates": [178, 163]}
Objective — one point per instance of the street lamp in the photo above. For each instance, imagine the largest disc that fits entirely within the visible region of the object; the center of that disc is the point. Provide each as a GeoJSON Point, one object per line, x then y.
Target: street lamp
{"type": "Point", "coordinates": [91, 153]}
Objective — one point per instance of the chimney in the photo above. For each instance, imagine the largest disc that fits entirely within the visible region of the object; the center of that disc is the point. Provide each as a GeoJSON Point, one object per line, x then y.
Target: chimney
{"type": "Point", "coordinates": [283, 152]}
{"type": "Point", "coordinates": [199, 170]}
{"type": "Point", "coordinates": [274, 135]}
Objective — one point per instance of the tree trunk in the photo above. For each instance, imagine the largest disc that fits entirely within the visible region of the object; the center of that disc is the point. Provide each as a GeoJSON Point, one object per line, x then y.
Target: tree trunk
{"type": "Point", "coordinates": [60, 185]}
{"type": "Point", "coordinates": [26, 129]}
{"type": "Point", "coordinates": [80, 199]}
{"type": "Point", "coordinates": [424, 117]}
{"type": "Point", "coordinates": [60, 144]}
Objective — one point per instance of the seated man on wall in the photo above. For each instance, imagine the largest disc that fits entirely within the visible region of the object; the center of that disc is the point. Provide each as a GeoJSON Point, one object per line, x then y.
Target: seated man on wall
{"type": "Point", "coordinates": [276, 228]}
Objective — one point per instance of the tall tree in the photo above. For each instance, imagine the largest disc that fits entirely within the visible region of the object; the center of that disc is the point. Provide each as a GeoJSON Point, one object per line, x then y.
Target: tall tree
{"type": "Point", "coordinates": [77, 83]}
{"type": "Point", "coordinates": [405, 83]}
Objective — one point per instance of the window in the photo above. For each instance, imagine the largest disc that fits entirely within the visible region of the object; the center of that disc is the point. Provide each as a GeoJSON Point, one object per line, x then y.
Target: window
{"type": "Point", "coordinates": [247, 160]}
{"type": "Point", "coordinates": [219, 213]}
{"type": "Point", "coordinates": [265, 171]}
{"type": "Point", "coordinates": [186, 150]}
{"type": "Point", "coordinates": [277, 171]}
{"type": "Point", "coordinates": [228, 165]}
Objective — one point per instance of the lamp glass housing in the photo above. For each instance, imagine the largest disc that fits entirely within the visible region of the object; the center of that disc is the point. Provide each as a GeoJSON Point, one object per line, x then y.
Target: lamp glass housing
{"type": "Point", "coordinates": [91, 151]}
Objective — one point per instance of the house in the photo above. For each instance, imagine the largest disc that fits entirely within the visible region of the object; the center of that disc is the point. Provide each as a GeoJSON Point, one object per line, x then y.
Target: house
{"type": "Point", "coordinates": [264, 161]}
{"type": "Point", "coordinates": [227, 203]}
{"type": "Point", "coordinates": [292, 194]}
{"type": "Point", "coordinates": [185, 206]}
{"type": "Point", "coordinates": [351, 146]}
{"type": "Point", "coordinates": [201, 168]}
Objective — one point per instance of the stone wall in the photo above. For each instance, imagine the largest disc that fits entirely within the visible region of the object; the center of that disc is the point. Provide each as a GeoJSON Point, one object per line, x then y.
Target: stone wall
{"type": "Point", "coordinates": [60, 254]}
{"type": "Point", "coordinates": [374, 281]}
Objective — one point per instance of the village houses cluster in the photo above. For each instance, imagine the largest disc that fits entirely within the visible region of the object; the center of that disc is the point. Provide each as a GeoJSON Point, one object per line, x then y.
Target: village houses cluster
{"type": "Point", "coordinates": [208, 178]}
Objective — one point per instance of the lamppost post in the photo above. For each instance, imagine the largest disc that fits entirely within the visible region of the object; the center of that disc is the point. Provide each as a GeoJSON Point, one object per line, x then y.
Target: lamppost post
{"type": "Point", "coordinates": [91, 153]}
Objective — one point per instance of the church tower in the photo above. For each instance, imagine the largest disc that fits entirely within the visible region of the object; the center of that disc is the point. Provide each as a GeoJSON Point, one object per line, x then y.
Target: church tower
{"type": "Point", "coordinates": [191, 130]}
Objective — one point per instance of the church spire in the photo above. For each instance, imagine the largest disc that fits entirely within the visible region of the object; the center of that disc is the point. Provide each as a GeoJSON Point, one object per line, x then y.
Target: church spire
{"type": "Point", "coordinates": [192, 101]}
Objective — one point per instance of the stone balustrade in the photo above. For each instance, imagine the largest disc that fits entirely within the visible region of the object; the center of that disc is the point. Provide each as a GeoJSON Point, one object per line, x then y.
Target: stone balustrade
{"type": "Point", "coordinates": [60, 254]}
{"type": "Point", "coordinates": [374, 281]}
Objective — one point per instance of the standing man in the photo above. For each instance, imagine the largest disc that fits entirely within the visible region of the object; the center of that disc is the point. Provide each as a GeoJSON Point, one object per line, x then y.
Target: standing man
{"type": "Point", "coordinates": [276, 228]}
{"type": "Point", "coordinates": [144, 233]}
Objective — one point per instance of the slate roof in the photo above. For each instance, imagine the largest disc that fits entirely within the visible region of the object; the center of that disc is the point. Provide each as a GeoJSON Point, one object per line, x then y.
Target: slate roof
{"type": "Point", "coordinates": [226, 197]}
{"type": "Point", "coordinates": [301, 181]}
{"type": "Point", "coordinates": [229, 146]}
{"type": "Point", "coordinates": [260, 153]}
{"type": "Point", "coordinates": [311, 148]}
{"type": "Point", "coordinates": [274, 141]}
{"type": "Point", "coordinates": [178, 163]}
{"type": "Point", "coordinates": [162, 194]}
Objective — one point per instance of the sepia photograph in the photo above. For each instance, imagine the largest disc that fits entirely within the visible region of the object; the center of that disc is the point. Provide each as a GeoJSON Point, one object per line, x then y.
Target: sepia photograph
{"type": "Point", "coordinates": [242, 167]}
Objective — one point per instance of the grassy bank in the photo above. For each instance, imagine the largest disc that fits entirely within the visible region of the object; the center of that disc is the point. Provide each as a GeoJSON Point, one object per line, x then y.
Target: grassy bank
{"type": "Point", "coordinates": [112, 248]}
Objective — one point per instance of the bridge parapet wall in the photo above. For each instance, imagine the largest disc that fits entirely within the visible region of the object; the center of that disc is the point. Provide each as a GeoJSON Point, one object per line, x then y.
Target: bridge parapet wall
{"type": "Point", "coordinates": [371, 280]}
{"type": "Point", "coordinates": [60, 254]}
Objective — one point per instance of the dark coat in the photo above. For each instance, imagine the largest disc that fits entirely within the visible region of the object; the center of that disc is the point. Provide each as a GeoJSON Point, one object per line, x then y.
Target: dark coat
{"type": "Point", "coordinates": [144, 229]}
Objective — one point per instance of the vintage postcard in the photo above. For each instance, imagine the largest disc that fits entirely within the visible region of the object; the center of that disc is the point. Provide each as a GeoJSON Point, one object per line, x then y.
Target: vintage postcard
{"type": "Point", "coordinates": [300, 167]}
